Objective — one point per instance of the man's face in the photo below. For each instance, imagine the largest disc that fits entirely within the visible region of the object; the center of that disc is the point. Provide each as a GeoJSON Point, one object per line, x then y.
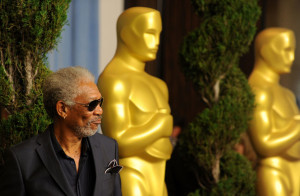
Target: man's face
{"type": "Point", "coordinates": [146, 34]}
{"type": "Point", "coordinates": [81, 121]}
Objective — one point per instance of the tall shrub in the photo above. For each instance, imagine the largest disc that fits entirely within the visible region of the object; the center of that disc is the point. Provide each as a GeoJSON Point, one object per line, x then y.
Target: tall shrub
{"type": "Point", "coordinates": [28, 30]}
{"type": "Point", "coordinates": [211, 60]}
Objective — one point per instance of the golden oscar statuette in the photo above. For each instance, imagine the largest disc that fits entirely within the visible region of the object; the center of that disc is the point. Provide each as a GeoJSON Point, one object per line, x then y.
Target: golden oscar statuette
{"type": "Point", "coordinates": [136, 109]}
{"type": "Point", "coordinates": [275, 127]}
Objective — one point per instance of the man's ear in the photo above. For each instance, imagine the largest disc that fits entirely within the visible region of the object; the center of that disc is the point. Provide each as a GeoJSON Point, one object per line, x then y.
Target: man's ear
{"type": "Point", "coordinates": [61, 109]}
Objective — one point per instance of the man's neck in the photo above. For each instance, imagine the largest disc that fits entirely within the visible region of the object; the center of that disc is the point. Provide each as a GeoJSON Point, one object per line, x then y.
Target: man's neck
{"type": "Point", "coordinates": [70, 143]}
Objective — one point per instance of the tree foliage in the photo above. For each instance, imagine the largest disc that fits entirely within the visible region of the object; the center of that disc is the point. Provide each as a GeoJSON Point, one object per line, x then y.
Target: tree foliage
{"type": "Point", "coordinates": [210, 57]}
{"type": "Point", "coordinates": [28, 30]}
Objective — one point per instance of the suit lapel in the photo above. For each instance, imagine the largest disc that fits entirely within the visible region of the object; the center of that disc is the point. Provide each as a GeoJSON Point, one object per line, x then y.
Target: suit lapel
{"type": "Point", "coordinates": [99, 160]}
{"type": "Point", "coordinates": [46, 152]}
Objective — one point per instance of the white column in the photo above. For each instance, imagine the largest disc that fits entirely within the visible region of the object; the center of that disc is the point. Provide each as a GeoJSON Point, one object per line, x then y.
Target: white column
{"type": "Point", "coordinates": [109, 11]}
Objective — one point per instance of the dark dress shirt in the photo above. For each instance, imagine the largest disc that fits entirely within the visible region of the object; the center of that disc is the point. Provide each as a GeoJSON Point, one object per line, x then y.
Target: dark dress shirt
{"type": "Point", "coordinates": [35, 168]}
{"type": "Point", "coordinates": [82, 182]}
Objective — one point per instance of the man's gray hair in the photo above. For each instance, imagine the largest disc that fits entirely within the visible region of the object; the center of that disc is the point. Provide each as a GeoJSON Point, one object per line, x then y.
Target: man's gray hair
{"type": "Point", "coordinates": [62, 85]}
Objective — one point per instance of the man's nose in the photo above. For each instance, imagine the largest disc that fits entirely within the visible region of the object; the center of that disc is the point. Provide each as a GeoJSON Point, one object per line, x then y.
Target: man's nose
{"type": "Point", "coordinates": [98, 110]}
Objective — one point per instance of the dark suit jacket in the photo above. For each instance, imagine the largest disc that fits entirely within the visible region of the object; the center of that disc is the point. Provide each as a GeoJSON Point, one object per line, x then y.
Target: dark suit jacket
{"type": "Point", "coordinates": [32, 168]}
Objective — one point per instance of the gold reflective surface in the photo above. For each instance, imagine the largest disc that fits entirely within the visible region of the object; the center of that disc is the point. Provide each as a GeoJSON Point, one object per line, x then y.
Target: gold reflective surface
{"type": "Point", "coordinates": [136, 109]}
{"type": "Point", "coordinates": [275, 127]}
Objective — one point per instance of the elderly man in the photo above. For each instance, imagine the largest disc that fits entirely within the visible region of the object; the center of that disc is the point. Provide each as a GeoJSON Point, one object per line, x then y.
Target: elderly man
{"type": "Point", "coordinates": [68, 158]}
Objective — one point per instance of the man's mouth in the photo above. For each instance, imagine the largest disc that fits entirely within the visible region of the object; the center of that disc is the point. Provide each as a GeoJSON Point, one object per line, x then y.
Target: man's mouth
{"type": "Point", "coordinates": [97, 121]}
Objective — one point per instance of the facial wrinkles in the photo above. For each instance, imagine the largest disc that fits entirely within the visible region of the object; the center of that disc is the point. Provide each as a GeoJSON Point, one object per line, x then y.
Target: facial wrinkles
{"type": "Point", "coordinates": [86, 130]}
{"type": "Point", "coordinates": [85, 127]}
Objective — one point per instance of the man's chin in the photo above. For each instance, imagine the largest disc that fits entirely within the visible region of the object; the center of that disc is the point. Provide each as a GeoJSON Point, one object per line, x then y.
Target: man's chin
{"type": "Point", "coordinates": [94, 126]}
{"type": "Point", "coordinates": [85, 132]}
{"type": "Point", "coordinates": [91, 132]}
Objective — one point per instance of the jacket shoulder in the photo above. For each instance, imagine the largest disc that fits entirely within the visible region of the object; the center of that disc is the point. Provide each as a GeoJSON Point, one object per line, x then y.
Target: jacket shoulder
{"type": "Point", "coordinates": [103, 138]}
{"type": "Point", "coordinates": [25, 145]}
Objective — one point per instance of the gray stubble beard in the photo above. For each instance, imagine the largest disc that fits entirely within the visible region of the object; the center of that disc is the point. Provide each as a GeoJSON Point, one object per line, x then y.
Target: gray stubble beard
{"type": "Point", "coordinates": [85, 131]}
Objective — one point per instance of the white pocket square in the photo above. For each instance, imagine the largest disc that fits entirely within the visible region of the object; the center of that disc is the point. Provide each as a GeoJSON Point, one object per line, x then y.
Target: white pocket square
{"type": "Point", "coordinates": [113, 167]}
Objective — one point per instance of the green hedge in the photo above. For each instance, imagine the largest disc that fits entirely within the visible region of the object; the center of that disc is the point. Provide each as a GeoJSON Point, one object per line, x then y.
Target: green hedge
{"type": "Point", "coordinates": [28, 30]}
{"type": "Point", "coordinates": [210, 58]}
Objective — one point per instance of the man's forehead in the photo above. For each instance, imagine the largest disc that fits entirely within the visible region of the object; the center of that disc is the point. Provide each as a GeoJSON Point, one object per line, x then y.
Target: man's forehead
{"type": "Point", "coordinates": [86, 84]}
{"type": "Point", "coordinates": [89, 90]}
